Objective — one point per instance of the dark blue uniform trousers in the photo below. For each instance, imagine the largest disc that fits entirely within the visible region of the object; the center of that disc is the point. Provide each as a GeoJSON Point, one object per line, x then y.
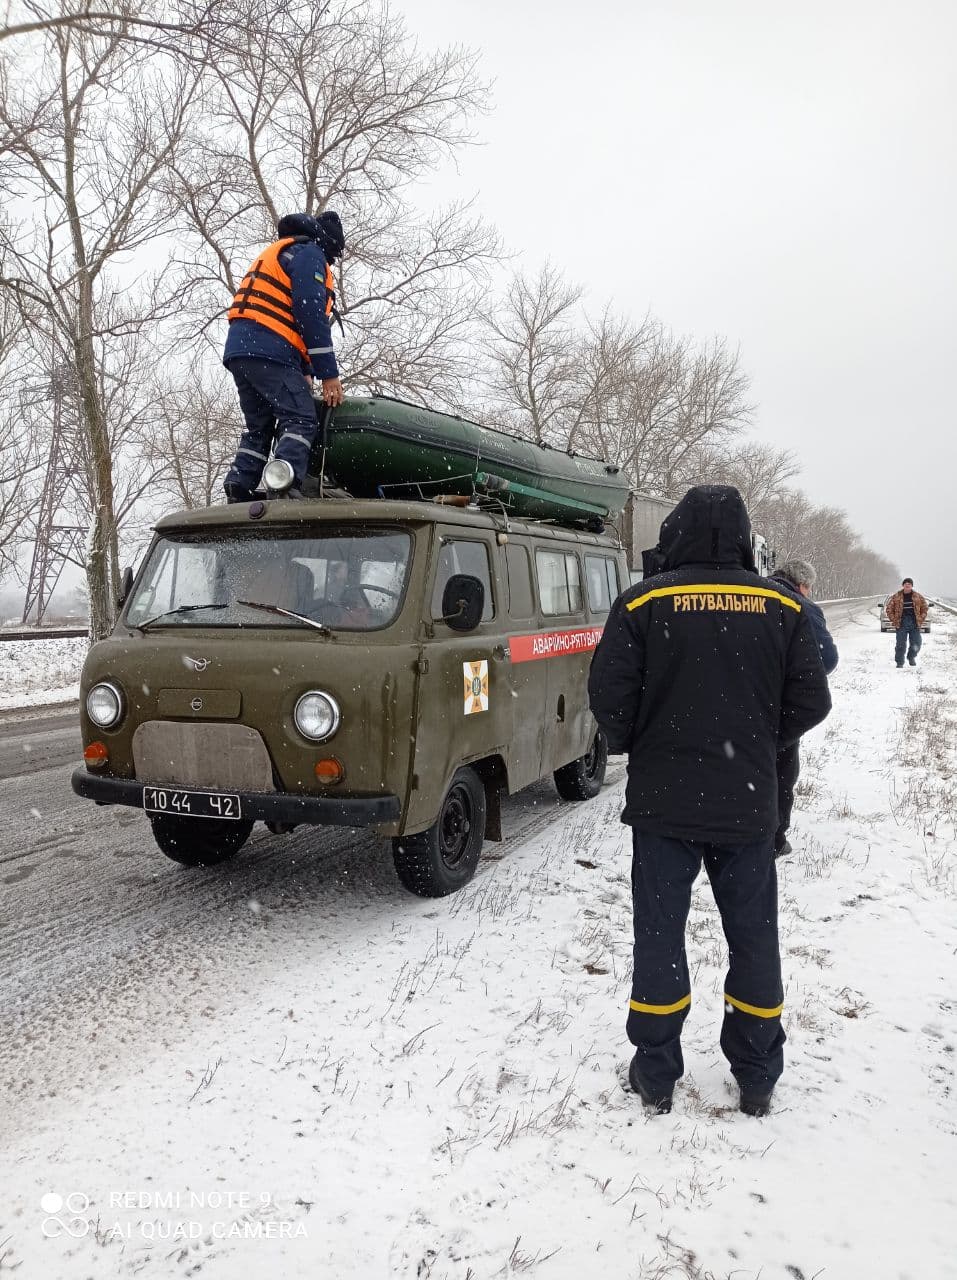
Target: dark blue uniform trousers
{"type": "Point", "coordinates": [744, 881]}
{"type": "Point", "coordinates": [275, 401]}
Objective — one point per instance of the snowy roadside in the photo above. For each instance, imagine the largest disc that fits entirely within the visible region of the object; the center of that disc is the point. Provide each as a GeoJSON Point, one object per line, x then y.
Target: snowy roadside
{"type": "Point", "coordinates": [38, 672]}
{"type": "Point", "coordinates": [442, 1100]}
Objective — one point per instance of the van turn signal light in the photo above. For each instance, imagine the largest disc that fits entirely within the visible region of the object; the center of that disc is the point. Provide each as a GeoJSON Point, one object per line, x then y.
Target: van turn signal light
{"type": "Point", "coordinates": [95, 755]}
{"type": "Point", "coordinates": [329, 770]}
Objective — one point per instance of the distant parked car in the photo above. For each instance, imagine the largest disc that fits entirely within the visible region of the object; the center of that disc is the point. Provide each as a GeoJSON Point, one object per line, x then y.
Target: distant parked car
{"type": "Point", "coordinates": [886, 622]}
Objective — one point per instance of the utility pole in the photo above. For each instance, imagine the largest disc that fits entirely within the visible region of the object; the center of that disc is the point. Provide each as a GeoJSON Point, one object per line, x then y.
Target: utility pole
{"type": "Point", "coordinates": [58, 537]}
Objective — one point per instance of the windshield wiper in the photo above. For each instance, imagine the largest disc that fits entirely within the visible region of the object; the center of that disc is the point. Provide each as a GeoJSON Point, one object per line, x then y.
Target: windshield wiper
{"type": "Point", "coordinates": [172, 613]}
{"type": "Point", "coordinates": [287, 613]}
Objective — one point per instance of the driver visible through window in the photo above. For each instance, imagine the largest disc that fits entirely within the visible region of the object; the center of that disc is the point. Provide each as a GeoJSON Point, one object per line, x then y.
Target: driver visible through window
{"type": "Point", "coordinates": [344, 580]}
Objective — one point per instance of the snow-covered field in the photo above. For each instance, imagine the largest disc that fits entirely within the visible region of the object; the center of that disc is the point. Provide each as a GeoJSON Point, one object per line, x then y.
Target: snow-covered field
{"type": "Point", "coordinates": [439, 1099]}
{"type": "Point", "coordinates": [37, 672]}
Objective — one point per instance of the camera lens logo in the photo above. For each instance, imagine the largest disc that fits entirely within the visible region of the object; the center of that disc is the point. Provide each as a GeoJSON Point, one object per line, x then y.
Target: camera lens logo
{"type": "Point", "coordinates": [65, 1215]}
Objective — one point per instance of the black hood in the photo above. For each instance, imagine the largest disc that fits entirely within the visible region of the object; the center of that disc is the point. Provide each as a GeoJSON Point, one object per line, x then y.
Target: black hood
{"type": "Point", "coordinates": [709, 525]}
{"type": "Point", "coordinates": [326, 230]}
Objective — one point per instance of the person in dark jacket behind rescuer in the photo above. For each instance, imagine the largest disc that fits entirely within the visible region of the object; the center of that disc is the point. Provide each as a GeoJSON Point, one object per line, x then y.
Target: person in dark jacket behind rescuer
{"type": "Point", "coordinates": [702, 672]}
{"type": "Point", "coordinates": [280, 338]}
{"type": "Point", "coordinates": [798, 577]}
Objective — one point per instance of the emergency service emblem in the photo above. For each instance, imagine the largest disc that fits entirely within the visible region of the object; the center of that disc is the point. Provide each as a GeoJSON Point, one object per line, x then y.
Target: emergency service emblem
{"type": "Point", "coordinates": [476, 686]}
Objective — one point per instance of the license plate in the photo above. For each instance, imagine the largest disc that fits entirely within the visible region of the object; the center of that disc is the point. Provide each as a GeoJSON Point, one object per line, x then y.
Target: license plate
{"type": "Point", "coordinates": [190, 804]}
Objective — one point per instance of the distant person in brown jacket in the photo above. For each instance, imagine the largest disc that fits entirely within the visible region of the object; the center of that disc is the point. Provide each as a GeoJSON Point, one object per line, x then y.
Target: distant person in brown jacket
{"type": "Point", "coordinates": [907, 613]}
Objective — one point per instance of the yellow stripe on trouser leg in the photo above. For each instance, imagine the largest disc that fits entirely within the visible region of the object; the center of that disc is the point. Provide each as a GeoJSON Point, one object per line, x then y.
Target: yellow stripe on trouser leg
{"type": "Point", "coordinates": [638, 1007]}
{"type": "Point", "coordinates": [754, 1009]}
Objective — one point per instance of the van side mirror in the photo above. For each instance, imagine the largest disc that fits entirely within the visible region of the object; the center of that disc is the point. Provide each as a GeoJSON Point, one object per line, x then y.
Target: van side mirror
{"type": "Point", "coordinates": [463, 602]}
{"type": "Point", "coordinates": [126, 586]}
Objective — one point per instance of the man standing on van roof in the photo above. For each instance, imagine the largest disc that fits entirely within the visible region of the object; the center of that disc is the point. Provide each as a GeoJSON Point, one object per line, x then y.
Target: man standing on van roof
{"type": "Point", "coordinates": [702, 673]}
{"type": "Point", "coordinates": [280, 338]}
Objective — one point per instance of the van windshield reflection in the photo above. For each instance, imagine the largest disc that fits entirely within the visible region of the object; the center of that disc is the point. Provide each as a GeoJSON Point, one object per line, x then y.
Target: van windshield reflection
{"type": "Point", "coordinates": [346, 580]}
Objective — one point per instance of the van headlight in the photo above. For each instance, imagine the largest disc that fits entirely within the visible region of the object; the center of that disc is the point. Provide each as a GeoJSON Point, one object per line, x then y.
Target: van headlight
{"type": "Point", "coordinates": [104, 705]}
{"type": "Point", "coordinates": [317, 715]}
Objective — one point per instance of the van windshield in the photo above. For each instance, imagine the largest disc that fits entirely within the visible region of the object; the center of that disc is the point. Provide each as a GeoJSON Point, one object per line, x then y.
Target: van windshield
{"type": "Point", "coordinates": [346, 580]}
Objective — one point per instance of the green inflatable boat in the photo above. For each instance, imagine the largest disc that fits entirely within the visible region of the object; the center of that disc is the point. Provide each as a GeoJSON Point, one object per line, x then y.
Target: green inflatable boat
{"type": "Point", "coordinates": [378, 447]}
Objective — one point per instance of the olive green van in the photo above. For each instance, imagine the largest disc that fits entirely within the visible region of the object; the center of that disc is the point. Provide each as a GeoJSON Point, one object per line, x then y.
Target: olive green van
{"type": "Point", "coordinates": [378, 663]}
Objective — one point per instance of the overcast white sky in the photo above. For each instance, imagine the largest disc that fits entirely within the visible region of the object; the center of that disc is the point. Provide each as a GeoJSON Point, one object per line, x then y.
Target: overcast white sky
{"type": "Point", "coordinates": [782, 175]}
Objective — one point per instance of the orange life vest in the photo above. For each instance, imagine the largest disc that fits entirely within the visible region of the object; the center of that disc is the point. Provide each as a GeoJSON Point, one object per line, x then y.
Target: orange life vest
{"type": "Point", "coordinates": [265, 295]}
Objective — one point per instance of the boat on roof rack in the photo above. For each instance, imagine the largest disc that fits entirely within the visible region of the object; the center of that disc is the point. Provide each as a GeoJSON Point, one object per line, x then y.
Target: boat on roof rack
{"type": "Point", "coordinates": [377, 447]}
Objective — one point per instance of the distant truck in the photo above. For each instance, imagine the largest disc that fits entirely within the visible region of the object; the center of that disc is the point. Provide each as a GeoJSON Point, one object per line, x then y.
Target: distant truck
{"type": "Point", "coordinates": [641, 522]}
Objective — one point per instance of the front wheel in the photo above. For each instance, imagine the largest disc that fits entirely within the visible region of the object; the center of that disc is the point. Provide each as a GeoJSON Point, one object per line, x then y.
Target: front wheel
{"type": "Point", "coordinates": [583, 778]}
{"type": "Point", "coordinates": [198, 842]}
{"type": "Point", "coordinates": [440, 860]}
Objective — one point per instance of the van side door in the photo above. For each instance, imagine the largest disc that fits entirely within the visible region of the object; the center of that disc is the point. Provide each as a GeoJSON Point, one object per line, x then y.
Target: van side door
{"type": "Point", "coordinates": [528, 676]}
{"type": "Point", "coordinates": [464, 705]}
{"type": "Point", "coordinates": [567, 642]}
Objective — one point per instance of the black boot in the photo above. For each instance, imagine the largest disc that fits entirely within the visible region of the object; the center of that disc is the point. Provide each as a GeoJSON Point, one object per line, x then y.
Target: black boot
{"type": "Point", "coordinates": [755, 1104]}
{"type": "Point", "coordinates": [653, 1098]}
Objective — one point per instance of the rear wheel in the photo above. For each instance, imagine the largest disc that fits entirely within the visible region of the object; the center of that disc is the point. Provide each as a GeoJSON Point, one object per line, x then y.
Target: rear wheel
{"type": "Point", "coordinates": [583, 778]}
{"type": "Point", "coordinates": [440, 860]}
{"type": "Point", "coordinates": [198, 842]}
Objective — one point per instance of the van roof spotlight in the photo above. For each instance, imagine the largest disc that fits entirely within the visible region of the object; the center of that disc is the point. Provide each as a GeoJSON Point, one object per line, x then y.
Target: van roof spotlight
{"type": "Point", "coordinates": [278, 475]}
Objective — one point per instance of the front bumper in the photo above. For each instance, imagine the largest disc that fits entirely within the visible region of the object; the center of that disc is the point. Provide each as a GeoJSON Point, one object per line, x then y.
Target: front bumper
{"type": "Point", "coordinates": [261, 806]}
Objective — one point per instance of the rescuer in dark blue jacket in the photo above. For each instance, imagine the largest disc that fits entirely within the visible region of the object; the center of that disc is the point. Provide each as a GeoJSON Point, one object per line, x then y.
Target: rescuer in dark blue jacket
{"type": "Point", "coordinates": [280, 338]}
{"type": "Point", "coordinates": [798, 577]}
{"type": "Point", "coordinates": [702, 672]}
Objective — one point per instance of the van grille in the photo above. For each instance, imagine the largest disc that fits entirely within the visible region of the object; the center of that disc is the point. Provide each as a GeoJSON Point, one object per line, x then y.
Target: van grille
{"type": "Point", "coordinates": [229, 756]}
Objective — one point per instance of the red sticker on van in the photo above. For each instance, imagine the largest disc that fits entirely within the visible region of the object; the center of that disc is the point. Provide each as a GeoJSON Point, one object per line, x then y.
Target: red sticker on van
{"type": "Point", "coordinates": [553, 644]}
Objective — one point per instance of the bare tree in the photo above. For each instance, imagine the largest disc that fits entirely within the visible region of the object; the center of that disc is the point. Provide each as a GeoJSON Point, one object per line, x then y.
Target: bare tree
{"type": "Point", "coordinates": [535, 355]}
{"type": "Point", "coordinates": [710, 406]}
{"type": "Point", "coordinates": [334, 106]}
{"type": "Point", "coordinates": [20, 450]}
{"type": "Point", "coordinates": [19, 464]}
{"type": "Point", "coordinates": [84, 135]}
{"type": "Point", "coordinates": [193, 437]}
{"type": "Point", "coordinates": [761, 473]}
{"type": "Point", "coordinates": [628, 391]}
{"type": "Point", "coordinates": [186, 27]}
{"type": "Point", "coordinates": [795, 526]}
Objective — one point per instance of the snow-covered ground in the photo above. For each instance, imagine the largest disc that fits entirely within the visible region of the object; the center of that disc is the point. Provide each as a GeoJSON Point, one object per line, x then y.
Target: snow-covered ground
{"type": "Point", "coordinates": [37, 672]}
{"type": "Point", "coordinates": [439, 1099]}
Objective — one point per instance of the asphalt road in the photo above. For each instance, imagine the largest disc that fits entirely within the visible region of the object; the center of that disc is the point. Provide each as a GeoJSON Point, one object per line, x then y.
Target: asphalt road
{"type": "Point", "coordinates": [36, 739]}
{"type": "Point", "coordinates": [108, 949]}
{"type": "Point", "coordinates": [858, 612]}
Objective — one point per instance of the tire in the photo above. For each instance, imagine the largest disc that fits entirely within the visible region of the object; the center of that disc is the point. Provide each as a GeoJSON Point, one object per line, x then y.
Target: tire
{"type": "Point", "coordinates": [442, 859]}
{"type": "Point", "coordinates": [198, 842]}
{"type": "Point", "coordinates": [584, 777]}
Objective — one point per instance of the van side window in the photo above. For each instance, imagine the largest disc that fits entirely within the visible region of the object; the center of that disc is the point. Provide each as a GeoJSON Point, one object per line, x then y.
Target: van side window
{"type": "Point", "coordinates": [460, 556]}
{"type": "Point", "coordinates": [521, 602]}
{"type": "Point", "coordinates": [559, 582]}
{"type": "Point", "coordinates": [601, 574]}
